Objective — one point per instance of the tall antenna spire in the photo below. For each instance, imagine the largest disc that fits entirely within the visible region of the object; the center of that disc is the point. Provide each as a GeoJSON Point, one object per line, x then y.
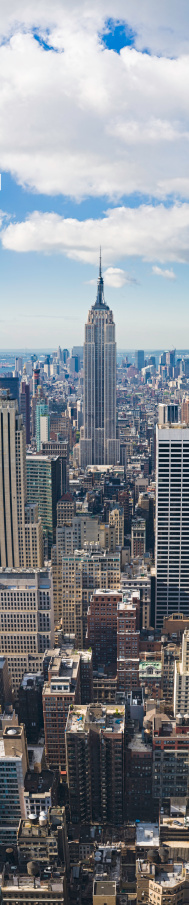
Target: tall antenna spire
{"type": "Point", "coordinates": [100, 266]}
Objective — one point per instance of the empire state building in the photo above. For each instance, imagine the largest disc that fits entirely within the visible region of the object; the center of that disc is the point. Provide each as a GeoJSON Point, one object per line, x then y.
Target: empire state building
{"type": "Point", "coordinates": [98, 443]}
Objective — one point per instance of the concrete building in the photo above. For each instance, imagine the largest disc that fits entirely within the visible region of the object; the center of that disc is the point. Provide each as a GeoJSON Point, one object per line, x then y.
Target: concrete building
{"type": "Point", "coordinates": [98, 443]}
{"type": "Point", "coordinates": [30, 704]}
{"type": "Point", "coordinates": [25, 407]}
{"type": "Point", "coordinates": [128, 635]}
{"type": "Point", "coordinates": [102, 628]}
{"type": "Point", "coordinates": [13, 767]}
{"type": "Point", "coordinates": [62, 690]}
{"type": "Point", "coordinates": [163, 884]}
{"type": "Point", "coordinates": [138, 537]}
{"type": "Point", "coordinates": [59, 448]}
{"type": "Point", "coordinates": [74, 578]}
{"type": "Point", "coordinates": [27, 619]}
{"type": "Point", "coordinates": [20, 545]}
{"type": "Point", "coordinates": [5, 685]}
{"type": "Point", "coordinates": [172, 523]}
{"type": "Point", "coordinates": [66, 509]}
{"type": "Point", "coordinates": [181, 679]}
{"type": "Point", "coordinates": [95, 753]}
{"type": "Point", "coordinates": [43, 487]}
{"type": "Point", "coordinates": [116, 518]}
{"type": "Point", "coordinates": [139, 773]}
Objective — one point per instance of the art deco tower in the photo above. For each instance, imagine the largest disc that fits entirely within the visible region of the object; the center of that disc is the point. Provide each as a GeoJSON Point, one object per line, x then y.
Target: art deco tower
{"type": "Point", "coordinates": [98, 444]}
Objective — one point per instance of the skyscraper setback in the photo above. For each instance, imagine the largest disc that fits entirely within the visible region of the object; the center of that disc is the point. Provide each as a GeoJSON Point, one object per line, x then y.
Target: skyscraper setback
{"type": "Point", "coordinates": [98, 443]}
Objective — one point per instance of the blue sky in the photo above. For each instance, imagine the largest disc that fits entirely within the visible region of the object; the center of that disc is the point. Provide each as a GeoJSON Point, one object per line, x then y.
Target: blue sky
{"type": "Point", "coordinates": [94, 150]}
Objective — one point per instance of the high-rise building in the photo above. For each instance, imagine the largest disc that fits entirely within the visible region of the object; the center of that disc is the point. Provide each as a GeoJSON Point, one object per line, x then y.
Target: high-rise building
{"type": "Point", "coordinates": [102, 628]}
{"type": "Point", "coordinates": [139, 359]}
{"type": "Point", "coordinates": [25, 407]}
{"type": "Point", "coordinates": [75, 576]}
{"type": "Point", "coordinates": [172, 520]}
{"type": "Point", "coordinates": [42, 424]}
{"type": "Point", "coordinates": [13, 766]}
{"type": "Point", "coordinates": [43, 487]}
{"type": "Point", "coordinates": [138, 537]}
{"type": "Point", "coordinates": [62, 690]}
{"type": "Point", "coordinates": [95, 753]}
{"type": "Point", "coordinates": [20, 546]}
{"type": "Point", "coordinates": [181, 679]}
{"type": "Point", "coordinates": [59, 448]}
{"type": "Point", "coordinates": [27, 619]}
{"type": "Point", "coordinates": [98, 443]}
{"type": "Point", "coordinates": [9, 386]}
{"type": "Point", "coordinates": [128, 635]}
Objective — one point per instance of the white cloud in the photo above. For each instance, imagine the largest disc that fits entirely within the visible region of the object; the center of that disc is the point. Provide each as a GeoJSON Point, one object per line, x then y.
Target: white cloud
{"type": "Point", "coordinates": [167, 274]}
{"type": "Point", "coordinates": [87, 121]}
{"type": "Point", "coordinates": [151, 233]}
{"type": "Point", "coordinates": [117, 278]}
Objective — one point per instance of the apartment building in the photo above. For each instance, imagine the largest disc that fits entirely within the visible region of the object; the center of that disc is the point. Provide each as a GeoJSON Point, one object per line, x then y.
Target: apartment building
{"type": "Point", "coordinates": [75, 576]}
{"type": "Point", "coordinates": [62, 690]}
{"type": "Point", "coordinates": [128, 635]}
{"type": "Point", "coordinates": [95, 753]}
{"type": "Point", "coordinates": [181, 678]}
{"type": "Point", "coordinates": [26, 619]}
{"type": "Point", "coordinates": [102, 628]}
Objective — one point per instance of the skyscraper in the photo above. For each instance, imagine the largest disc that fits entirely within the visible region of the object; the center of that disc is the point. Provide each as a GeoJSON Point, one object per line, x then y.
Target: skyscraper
{"type": "Point", "coordinates": [172, 520]}
{"type": "Point", "coordinates": [98, 443]}
{"type": "Point", "coordinates": [20, 528]}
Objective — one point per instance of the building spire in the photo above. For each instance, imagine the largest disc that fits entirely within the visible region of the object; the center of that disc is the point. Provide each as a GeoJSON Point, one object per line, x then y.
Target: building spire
{"type": "Point", "coordinates": [100, 285]}
{"type": "Point", "coordinates": [100, 266]}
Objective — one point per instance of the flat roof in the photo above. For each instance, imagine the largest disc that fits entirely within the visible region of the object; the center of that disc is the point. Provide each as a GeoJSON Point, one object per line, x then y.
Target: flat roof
{"type": "Point", "coordinates": [147, 835]}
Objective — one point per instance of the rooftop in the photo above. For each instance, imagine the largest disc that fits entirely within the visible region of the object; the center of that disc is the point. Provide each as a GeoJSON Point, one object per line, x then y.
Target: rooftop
{"type": "Point", "coordinates": [147, 835]}
{"type": "Point", "coordinates": [107, 718]}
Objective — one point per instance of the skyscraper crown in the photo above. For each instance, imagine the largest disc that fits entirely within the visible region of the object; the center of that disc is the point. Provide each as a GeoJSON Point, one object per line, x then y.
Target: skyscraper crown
{"type": "Point", "coordinates": [100, 288]}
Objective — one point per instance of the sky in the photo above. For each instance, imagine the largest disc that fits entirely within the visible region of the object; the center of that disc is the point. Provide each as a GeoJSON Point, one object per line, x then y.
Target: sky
{"type": "Point", "coordinates": [94, 150]}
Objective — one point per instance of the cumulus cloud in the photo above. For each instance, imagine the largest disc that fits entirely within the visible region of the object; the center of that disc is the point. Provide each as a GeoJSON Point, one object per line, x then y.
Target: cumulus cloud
{"type": "Point", "coordinates": [167, 274]}
{"type": "Point", "coordinates": [152, 233]}
{"type": "Point", "coordinates": [117, 278]}
{"type": "Point", "coordinates": [85, 120]}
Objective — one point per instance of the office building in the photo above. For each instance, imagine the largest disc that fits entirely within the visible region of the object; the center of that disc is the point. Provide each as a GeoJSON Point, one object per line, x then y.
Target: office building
{"type": "Point", "coordinates": [98, 443]}
{"type": "Point", "coordinates": [60, 691]}
{"type": "Point", "coordinates": [170, 760]}
{"type": "Point", "coordinates": [139, 359]}
{"type": "Point", "coordinates": [95, 754]}
{"type": "Point", "coordinates": [5, 685]}
{"type": "Point", "coordinates": [13, 767]}
{"type": "Point", "coordinates": [66, 509]}
{"type": "Point", "coordinates": [30, 709]}
{"type": "Point", "coordinates": [20, 545]}
{"type": "Point", "coordinates": [128, 635]}
{"type": "Point", "coordinates": [139, 773]}
{"type": "Point", "coordinates": [42, 424]}
{"type": "Point", "coordinates": [25, 407]}
{"type": "Point", "coordinates": [116, 518]}
{"type": "Point", "coordinates": [181, 678]}
{"type": "Point", "coordinates": [172, 523]}
{"type": "Point", "coordinates": [138, 537]}
{"type": "Point", "coordinates": [102, 628]}
{"type": "Point", "coordinates": [77, 575]}
{"type": "Point", "coordinates": [9, 386]}
{"type": "Point", "coordinates": [43, 487]}
{"type": "Point", "coordinates": [59, 448]}
{"type": "Point", "coordinates": [26, 621]}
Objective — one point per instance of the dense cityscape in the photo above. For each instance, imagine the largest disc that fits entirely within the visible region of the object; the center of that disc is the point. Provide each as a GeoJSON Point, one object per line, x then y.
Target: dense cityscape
{"type": "Point", "coordinates": [94, 610]}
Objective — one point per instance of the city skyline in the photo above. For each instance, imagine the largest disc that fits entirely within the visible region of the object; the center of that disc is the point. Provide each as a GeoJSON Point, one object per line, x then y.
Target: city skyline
{"type": "Point", "coordinates": [104, 164]}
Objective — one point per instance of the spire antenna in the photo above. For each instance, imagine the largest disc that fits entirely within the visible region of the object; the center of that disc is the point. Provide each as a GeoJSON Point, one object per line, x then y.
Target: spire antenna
{"type": "Point", "coordinates": [100, 265]}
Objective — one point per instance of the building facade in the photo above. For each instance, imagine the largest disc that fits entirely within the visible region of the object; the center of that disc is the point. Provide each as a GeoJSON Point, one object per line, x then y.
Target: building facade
{"type": "Point", "coordinates": [172, 521]}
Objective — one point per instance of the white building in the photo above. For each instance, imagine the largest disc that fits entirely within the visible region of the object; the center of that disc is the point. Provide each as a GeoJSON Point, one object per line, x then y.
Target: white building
{"type": "Point", "coordinates": [172, 520]}
{"type": "Point", "coordinates": [26, 619]}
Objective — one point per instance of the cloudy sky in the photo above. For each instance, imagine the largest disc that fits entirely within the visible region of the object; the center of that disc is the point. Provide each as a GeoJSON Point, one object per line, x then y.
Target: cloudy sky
{"type": "Point", "coordinates": [94, 149]}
